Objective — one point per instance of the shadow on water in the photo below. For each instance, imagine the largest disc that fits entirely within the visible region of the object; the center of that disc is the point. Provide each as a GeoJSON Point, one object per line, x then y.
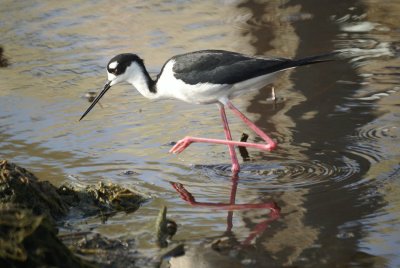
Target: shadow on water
{"type": "Point", "coordinates": [318, 177]}
{"type": "Point", "coordinates": [328, 130]}
{"type": "Point", "coordinates": [321, 232]}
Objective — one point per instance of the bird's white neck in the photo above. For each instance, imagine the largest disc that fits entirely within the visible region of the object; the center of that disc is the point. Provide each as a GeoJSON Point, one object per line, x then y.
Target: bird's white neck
{"type": "Point", "coordinates": [138, 76]}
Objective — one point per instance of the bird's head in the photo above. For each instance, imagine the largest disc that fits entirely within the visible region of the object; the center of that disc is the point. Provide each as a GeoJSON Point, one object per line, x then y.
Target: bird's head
{"type": "Point", "coordinates": [123, 67]}
{"type": "Point", "coordinates": [120, 68]}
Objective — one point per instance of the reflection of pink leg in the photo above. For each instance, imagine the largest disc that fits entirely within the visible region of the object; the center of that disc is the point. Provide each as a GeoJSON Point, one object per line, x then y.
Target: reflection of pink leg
{"type": "Point", "coordinates": [274, 210]}
{"type": "Point", "coordinates": [232, 153]}
{"type": "Point", "coordinates": [260, 228]}
{"type": "Point", "coordinates": [232, 198]}
{"type": "Point", "coordinates": [188, 197]}
{"type": "Point", "coordinates": [185, 142]}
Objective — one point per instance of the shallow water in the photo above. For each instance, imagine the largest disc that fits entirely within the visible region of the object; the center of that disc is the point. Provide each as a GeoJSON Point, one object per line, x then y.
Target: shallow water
{"type": "Point", "coordinates": [335, 174]}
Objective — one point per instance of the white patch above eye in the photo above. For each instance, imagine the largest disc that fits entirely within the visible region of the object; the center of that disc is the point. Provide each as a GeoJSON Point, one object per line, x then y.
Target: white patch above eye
{"type": "Point", "coordinates": [113, 65]}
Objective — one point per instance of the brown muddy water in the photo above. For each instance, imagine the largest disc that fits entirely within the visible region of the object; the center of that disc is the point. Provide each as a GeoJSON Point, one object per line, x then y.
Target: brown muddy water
{"type": "Point", "coordinates": [335, 174]}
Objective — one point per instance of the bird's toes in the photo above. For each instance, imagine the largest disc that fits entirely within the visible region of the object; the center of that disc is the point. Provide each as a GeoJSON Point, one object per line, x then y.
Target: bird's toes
{"type": "Point", "coordinates": [178, 148]}
{"type": "Point", "coordinates": [181, 145]}
{"type": "Point", "coordinates": [174, 149]}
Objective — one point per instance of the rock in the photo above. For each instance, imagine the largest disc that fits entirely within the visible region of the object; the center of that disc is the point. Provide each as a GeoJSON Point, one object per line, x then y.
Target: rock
{"type": "Point", "coordinates": [165, 228]}
{"type": "Point", "coordinates": [30, 240]}
{"type": "Point", "coordinates": [104, 199]}
{"type": "Point", "coordinates": [30, 209]}
{"type": "Point", "coordinates": [20, 187]}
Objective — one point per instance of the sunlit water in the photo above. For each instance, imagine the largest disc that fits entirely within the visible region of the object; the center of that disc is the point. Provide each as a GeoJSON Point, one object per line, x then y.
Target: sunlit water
{"type": "Point", "coordinates": [336, 171]}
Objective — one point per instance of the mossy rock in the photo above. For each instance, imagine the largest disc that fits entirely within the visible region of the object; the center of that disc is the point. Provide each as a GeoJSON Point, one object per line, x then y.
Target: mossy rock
{"type": "Point", "coordinates": [30, 209]}
{"type": "Point", "coordinates": [19, 186]}
{"type": "Point", "coordinates": [29, 240]}
{"type": "Point", "coordinates": [101, 199]}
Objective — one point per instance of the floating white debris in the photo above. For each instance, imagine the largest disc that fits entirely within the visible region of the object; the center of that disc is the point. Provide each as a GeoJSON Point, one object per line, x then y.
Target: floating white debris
{"type": "Point", "coordinates": [364, 26]}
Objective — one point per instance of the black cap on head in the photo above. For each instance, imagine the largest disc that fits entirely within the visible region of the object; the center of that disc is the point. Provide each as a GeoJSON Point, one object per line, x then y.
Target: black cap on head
{"type": "Point", "coordinates": [119, 63]}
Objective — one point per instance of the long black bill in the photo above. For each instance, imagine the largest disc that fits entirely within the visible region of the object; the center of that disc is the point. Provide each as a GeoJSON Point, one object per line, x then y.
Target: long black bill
{"type": "Point", "coordinates": [106, 87]}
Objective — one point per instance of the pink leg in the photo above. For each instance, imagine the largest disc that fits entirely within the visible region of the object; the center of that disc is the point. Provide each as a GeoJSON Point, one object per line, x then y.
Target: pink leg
{"type": "Point", "coordinates": [185, 142]}
{"type": "Point", "coordinates": [235, 162]}
{"type": "Point", "coordinates": [260, 133]}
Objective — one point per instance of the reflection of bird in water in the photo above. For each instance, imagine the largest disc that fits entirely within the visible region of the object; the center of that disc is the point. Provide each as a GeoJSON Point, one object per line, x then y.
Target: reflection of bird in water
{"type": "Point", "coordinates": [219, 252]}
{"type": "Point", "coordinates": [271, 208]}
{"type": "Point", "coordinates": [205, 77]}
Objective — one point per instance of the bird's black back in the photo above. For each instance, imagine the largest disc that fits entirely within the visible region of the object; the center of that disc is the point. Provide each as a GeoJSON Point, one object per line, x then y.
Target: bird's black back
{"type": "Point", "coordinates": [225, 67]}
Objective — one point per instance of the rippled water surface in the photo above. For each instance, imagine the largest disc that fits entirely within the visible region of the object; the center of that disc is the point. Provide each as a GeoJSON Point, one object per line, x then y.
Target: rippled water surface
{"type": "Point", "coordinates": [335, 174]}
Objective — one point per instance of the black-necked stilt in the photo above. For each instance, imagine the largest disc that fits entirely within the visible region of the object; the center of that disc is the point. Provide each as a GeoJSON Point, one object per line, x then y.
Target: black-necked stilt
{"type": "Point", "coordinates": [204, 77]}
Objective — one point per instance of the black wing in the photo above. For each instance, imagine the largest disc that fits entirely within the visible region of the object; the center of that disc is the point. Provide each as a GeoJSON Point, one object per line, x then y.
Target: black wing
{"type": "Point", "coordinates": [223, 67]}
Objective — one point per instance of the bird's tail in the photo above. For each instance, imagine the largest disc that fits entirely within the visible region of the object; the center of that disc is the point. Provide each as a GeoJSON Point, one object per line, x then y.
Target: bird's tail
{"type": "Point", "coordinates": [315, 59]}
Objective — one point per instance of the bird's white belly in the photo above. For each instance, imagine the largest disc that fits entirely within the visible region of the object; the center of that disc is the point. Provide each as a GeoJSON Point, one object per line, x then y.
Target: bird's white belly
{"type": "Point", "coordinates": [201, 93]}
{"type": "Point", "coordinates": [252, 84]}
{"type": "Point", "coordinates": [205, 93]}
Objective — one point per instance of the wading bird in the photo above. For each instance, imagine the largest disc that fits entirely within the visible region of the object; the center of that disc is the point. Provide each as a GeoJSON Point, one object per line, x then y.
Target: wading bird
{"type": "Point", "coordinates": [205, 77]}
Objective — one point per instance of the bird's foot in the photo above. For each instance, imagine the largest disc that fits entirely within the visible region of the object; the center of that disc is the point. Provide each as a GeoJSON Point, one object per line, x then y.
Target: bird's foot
{"type": "Point", "coordinates": [181, 145]}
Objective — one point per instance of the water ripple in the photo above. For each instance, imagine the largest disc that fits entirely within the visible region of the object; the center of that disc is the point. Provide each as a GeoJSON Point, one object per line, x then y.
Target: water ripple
{"type": "Point", "coordinates": [281, 175]}
{"type": "Point", "coordinates": [375, 133]}
{"type": "Point", "coordinates": [360, 143]}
